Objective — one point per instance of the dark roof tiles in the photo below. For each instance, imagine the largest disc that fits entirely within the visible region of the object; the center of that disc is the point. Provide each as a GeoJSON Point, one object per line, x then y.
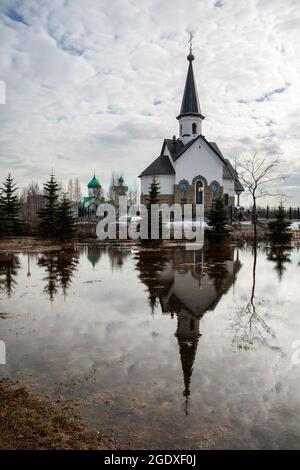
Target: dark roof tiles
{"type": "Point", "coordinates": [190, 103]}
{"type": "Point", "coordinates": [160, 166]}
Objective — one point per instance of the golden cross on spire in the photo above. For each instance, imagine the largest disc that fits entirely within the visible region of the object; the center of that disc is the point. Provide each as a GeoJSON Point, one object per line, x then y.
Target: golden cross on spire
{"type": "Point", "coordinates": [191, 41]}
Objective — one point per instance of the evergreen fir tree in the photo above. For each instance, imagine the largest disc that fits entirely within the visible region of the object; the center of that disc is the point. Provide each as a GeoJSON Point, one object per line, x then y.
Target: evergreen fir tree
{"type": "Point", "coordinates": [279, 226]}
{"type": "Point", "coordinates": [10, 221]}
{"type": "Point", "coordinates": [154, 191]}
{"type": "Point", "coordinates": [48, 214]}
{"type": "Point", "coordinates": [3, 226]}
{"type": "Point", "coordinates": [153, 198]}
{"type": "Point", "coordinates": [65, 222]}
{"type": "Point", "coordinates": [218, 219]}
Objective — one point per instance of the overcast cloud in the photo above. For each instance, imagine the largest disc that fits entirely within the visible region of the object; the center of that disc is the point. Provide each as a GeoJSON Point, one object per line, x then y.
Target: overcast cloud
{"type": "Point", "coordinates": [95, 85]}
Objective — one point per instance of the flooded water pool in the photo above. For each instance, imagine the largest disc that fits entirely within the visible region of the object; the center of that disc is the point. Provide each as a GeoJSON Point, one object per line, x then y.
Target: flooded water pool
{"type": "Point", "coordinates": [163, 349]}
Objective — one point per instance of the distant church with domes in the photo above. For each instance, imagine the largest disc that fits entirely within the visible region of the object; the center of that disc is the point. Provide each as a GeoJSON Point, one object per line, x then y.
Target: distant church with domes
{"type": "Point", "coordinates": [88, 207]}
{"type": "Point", "coordinates": [191, 169]}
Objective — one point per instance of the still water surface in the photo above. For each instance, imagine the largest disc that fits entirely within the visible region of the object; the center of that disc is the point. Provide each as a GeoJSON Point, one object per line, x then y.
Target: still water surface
{"type": "Point", "coordinates": [164, 349]}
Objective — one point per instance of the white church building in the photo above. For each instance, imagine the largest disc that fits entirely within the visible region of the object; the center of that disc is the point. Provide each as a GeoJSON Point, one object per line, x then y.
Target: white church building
{"type": "Point", "coordinates": [191, 169]}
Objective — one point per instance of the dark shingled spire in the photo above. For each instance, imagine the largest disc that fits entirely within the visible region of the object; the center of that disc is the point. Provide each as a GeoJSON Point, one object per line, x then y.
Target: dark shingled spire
{"type": "Point", "coordinates": [190, 105]}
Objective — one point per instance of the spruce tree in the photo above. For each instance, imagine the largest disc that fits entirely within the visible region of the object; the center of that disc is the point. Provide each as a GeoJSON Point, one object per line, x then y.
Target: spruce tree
{"type": "Point", "coordinates": [11, 223]}
{"type": "Point", "coordinates": [65, 222]}
{"type": "Point", "coordinates": [279, 227]}
{"type": "Point", "coordinates": [48, 214]}
{"type": "Point", "coordinates": [153, 198]}
{"type": "Point", "coordinates": [3, 226]}
{"type": "Point", "coordinates": [218, 219]}
{"type": "Point", "coordinates": [154, 191]}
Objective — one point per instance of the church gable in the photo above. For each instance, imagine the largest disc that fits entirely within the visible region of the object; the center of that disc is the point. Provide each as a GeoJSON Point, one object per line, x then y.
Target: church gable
{"type": "Point", "coordinates": [199, 159]}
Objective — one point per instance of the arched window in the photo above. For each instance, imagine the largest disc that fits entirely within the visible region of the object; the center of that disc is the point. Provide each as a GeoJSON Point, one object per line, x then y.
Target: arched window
{"type": "Point", "coordinates": [215, 188]}
{"type": "Point", "coordinates": [180, 129]}
{"type": "Point", "coordinates": [226, 199]}
{"type": "Point", "coordinates": [194, 128]}
{"type": "Point", "coordinates": [199, 192]}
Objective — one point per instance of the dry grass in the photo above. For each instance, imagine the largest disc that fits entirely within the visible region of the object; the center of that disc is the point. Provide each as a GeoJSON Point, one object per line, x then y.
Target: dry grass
{"type": "Point", "coordinates": [29, 422]}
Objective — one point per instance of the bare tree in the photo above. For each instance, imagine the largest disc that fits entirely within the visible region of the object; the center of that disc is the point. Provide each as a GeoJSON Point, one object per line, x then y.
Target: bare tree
{"type": "Point", "coordinates": [133, 194]}
{"type": "Point", "coordinates": [257, 174]}
{"type": "Point", "coordinates": [250, 325]}
{"type": "Point", "coordinates": [31, 202]}
{"type": "Point", "coordinates": [114, 181]}
{"type": "Point", "coordinates": [70, 190]}
{"type": "Point", "coordinates": [77, 191]}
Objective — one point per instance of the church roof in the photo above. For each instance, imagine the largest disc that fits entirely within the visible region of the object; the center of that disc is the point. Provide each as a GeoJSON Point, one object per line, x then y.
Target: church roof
{"type": "Point", "coordinates": [160, 166]}
{"type": "Point", "coordinates": [94, 183]}
{"type": "Point", "coordinates": [230, 172]}
{"type": "Point", "coordinates": [190, 102]}
{"type": "Point", "coordinates": [176, 148]}
{"type": "Point", "coordinates": [238, 185]}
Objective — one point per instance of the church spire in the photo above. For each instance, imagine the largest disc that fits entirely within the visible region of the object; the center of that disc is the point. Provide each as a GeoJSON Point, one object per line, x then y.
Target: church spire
{"type": "Point", "coordinates": [187, 336]}
{"type": "Point", "coordinates": [190, 117]}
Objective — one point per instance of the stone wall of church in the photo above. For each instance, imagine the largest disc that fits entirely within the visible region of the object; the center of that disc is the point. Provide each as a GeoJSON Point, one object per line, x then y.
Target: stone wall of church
{"type": "Point", "coordinates": [190, 196]}
{"type": "Point", "coordinates": [163, 199]}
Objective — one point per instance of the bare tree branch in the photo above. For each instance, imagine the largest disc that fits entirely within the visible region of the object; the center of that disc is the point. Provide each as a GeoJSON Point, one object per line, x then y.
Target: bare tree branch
{"type": "Point", "coordinates": [256, 175]}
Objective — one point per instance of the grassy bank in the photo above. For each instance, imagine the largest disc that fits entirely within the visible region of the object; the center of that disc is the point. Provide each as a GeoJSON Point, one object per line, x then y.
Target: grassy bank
{"type": "Point", "coordinates": [29, 422]}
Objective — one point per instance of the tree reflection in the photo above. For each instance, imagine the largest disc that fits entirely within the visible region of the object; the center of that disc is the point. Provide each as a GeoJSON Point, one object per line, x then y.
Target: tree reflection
{"type": "Point", "coordinates": [281, 256]}
{"type": "Point", "coordinates": [117, 256]}
{"type": "Point", "coordinates": [60, 268]}
{"type": "Point", "coordinates": [250, 326]}
{"type": "Point", "coordinates": [9, 266]}
{"type": "Point", "coordinates": [150, 265]}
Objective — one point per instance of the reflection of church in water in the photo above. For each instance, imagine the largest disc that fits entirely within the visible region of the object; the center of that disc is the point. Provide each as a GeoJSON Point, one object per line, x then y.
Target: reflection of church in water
{"type": "Point", "coordinates": [186, 285]}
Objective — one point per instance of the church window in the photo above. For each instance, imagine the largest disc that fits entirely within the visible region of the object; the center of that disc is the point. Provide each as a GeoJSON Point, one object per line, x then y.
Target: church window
{"type": "Point", "coordinates": [226, 199]}
{"type": "Point", "coordinates": [215, 188]}
{"type": "Point", "coordinates": [199, 192]}
{"type": "Point", "coordinates": [183, 186]}
{"type": "Point", "coordinates": [194, 128]}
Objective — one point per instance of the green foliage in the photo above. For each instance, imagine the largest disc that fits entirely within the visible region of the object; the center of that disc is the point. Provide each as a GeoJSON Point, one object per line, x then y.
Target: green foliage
{"type": "Point", "coordinates": [3, 226]}
{"type": "Point", "coordinates": [10, 220]}
{"type": "Point", "coordinates": [153, 198]}
{"type": "Point", "coordinates": [49, 213]}
{"type": "Point", "coordinates": [218, 219]}
{"type": "Point", "coordinates": [279, 227]}
{"type": "Point", "coordinates": [65, 222]}
{"type": "Point", "coordinates": [154, 192]}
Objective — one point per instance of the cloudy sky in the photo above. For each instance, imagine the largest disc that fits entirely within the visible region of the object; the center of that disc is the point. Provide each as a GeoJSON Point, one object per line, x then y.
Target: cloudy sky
{"type": "Point", "coordinates": [95, 85]}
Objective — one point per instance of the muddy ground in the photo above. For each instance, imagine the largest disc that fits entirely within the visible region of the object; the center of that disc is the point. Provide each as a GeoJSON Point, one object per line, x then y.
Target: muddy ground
{"type": "Point", "coordinates": [30, 422]}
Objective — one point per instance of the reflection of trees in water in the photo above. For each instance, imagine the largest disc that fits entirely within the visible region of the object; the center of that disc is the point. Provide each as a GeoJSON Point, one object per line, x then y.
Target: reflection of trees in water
{"type": "Point", "coordinates": [117, 256]}
{"type": "Point", "coordinates": [60, 268]}
{"type": "Point", "coordinates": [216, 268]}
{"type": "Point", "coordinates": [9, 266]}
{"type": "Point", "coordinates": [150, 264]}
{"type": "Point", "coordinates": [280, 255]}
{"type": "Point", "coordinates": [250, 326]}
